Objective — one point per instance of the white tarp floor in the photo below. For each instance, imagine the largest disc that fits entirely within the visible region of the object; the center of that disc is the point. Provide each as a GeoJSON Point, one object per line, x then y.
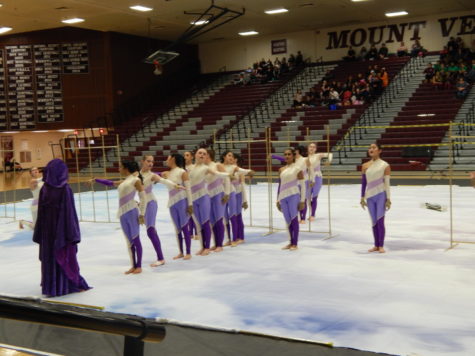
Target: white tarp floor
{"type": "Point", "coordinates": [416, 299]}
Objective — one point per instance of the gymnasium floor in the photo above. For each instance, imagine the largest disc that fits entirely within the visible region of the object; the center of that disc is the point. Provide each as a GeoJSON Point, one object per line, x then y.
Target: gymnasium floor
{"type": "Point", "coordinates": [417, 299]}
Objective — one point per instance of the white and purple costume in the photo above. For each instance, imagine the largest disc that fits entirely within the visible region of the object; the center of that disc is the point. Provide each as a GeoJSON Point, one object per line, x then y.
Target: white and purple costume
{"type": "Point", "coordinates": [201, 202]}
{"type": "Point", "coordinates": [291, 192]}
{"type": "Point", "coordinates": [191, 226]}
{"type": "Point", "coordinates": [315, 176]}
{"type": "Point", "coordinates": [301, 162]}
{"type": "Point", "coordinates": [151, 211]}
{"type": "Point", "coordinates": [375, 189]}
{"type": "Point", "coordinates": [178, 202]}
{"type": "Point", "coordinates": [241, 198]}
{"type": "Point", "coordinates": [218, 187]}
{"type": "Point", "coordinates": [129, 216]}
{"type": "Point", "coordinates": [231, 210]}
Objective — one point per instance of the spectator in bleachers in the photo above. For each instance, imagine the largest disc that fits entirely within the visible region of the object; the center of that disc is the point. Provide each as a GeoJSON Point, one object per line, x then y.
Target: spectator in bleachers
{"type": "Point", "coordinates": [334, 97]}
{"type": "Point", "coordinates": [313, 96]}
{"type": "Point", "coordinates": [402, 51]}
{"type": "Point", "coordinates": [375, 84]}
{"type": "Point", "coordinates": [372, 53]}
{"type": "Point", "coordinates": [356, 98]}
{"type": "Point", "coordinates": [368, 72]}
{"type": "Point", "coordinates": [298, 99]}
{"type": "Point", "coordinates": [291, 62]}
{"type": "Point", "coordinates": [429, 73]}
{"type": "Point", "coordinates": [437, 81]}
{"type": "Point", "coordinates": [383, 51]}
{"type": "Point", "coordinates": [461, 89]}
{"type": "Point", "coordinates": [417, 49]}
{"type": "Point", "coordinates": [384, 76]}
{"type": "Point", "coordinates": [452, 48]}
{"type": "Point", "coordinates": [346, 97]}
{"type": "Point", "coordinates": [325, 91]}
{"type": "Point", "coordinates": [299, 59]}
{"type": "Point", "coordinates": [363, 53]}
{"type": "Point", "coordinates": [350, 55]}
{"type": "Point", "coordinates": [284, 66]}
{"type": "Point", "coordinates": [361, 80]}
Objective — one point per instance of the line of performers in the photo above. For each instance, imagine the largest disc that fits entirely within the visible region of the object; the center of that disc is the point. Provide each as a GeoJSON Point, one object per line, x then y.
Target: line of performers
{"type": "Point", "coordinates": [204, 197]}
{"type": "Point", "coordinates": [207, 198]}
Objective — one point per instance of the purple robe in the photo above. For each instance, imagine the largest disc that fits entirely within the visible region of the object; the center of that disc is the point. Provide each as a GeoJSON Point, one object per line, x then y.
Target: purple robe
{"type": "Point", "coordinates": [57, 233]}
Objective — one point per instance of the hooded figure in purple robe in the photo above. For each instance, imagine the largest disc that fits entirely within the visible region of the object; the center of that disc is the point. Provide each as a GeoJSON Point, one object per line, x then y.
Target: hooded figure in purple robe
{"type": "Point", "coordinates": [57, 233]}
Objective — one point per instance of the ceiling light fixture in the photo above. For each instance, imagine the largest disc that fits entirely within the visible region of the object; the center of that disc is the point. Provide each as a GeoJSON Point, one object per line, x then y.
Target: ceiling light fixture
{"type": "Point", "coordinates": [5, 29]}
{"type": "Point", "coordinates": [66, 130]}
{"type": "Point", "coordinates": [73, 20]}
{"type": "Point", "coordinates": [141, 8]}
{"type": "Point", "coordinates": [11, 132]}
{"type": "Point", "coordinates": [396, 13]}
{"type": "Point", "coordinates": [199, 23]}
{"type": "Point", "coordinates": [248, 33]}
{"type": "Point", "coordinates": [276, 11]}
{"type": "Point", "coordinates": [40, 131]}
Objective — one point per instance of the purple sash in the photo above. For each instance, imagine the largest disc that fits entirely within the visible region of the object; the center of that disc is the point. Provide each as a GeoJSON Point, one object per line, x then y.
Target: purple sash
{"type": "Point", "coordinates": [197, 187]}
{"type": "Point", "coordinates": [125, 199]}
{"type": "Point", "coordinates": [288, 185]}
{"type": "Point", "coordinates": [215, 184]}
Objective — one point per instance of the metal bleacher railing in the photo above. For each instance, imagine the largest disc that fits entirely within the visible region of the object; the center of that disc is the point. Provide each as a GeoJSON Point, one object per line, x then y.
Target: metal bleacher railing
{"type": "Point", "coordinates": [464, 130]}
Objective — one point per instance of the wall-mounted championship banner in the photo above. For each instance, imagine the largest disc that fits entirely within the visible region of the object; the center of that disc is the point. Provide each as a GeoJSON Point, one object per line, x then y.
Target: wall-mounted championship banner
{"type": "Point", "coordinates": [279, 46]}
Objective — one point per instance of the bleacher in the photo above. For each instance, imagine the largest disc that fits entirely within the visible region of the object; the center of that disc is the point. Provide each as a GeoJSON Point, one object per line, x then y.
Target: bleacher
{"type": "Point", "coordinates": [427, 106]}
{"type": "Point", "coordinates": [314, 119]}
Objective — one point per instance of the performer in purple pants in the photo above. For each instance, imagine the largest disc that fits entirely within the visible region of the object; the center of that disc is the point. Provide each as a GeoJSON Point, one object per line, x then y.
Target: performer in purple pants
{"type": "Point", "coordinates": [188, 155]}
{"type": "Point", "coordinates": [218, 190]}
{"type": "Point", "coordinates": [375, 194]}
{"type": "Point", "coordinates": [231, 209]}
{"type": "Point", "coordinates": [315, 176]}
{"type": "Point", "coordinates": [302, 162]}
{"type": "Point", "coordinates": [180, 203]}
{"type": "Point", "coordinates": [149, 179]}
{"type": "Point", "coordinates": [57, 233]}
{"type": "Point", "coordinates": [241, 198]}
{"type": "Point", "coordinates": [201, 199]}
{"type": "Point", "coordinates": [291, 196]}
{"type": "Point", "coordinates": [237, 198]}
{"type": "Point", "coordinates": [130, 216]}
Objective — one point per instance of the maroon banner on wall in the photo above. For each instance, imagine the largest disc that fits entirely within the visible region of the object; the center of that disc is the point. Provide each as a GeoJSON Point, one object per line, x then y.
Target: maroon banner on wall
{"type": "Point", "coordinates": [279, 46]}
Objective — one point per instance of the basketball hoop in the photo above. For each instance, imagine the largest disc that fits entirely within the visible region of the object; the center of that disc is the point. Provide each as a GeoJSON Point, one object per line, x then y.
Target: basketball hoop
{"type": "Point", "coordinates": [158, 68]}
